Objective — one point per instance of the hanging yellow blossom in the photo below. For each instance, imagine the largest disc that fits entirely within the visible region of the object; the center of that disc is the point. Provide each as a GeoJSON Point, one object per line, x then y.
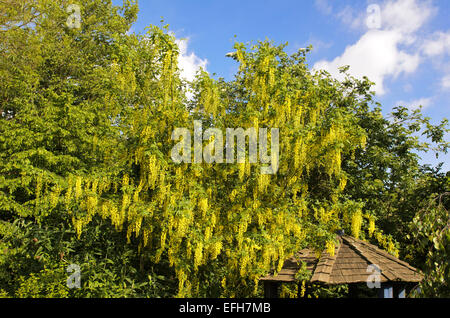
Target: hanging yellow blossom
{"type": "Point", "coordinates": [78, 189]}
{"type": "Point", "coordinates": [330, 247]}
{"type": "Point", "coordinates": [356, 223]}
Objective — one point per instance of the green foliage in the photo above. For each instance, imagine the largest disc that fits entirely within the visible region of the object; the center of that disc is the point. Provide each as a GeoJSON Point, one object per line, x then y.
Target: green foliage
{"type": "Point", "coordinates": [331, 291]}
{"type": "Point", "coordinates": [387, 177]}
{"type": "Point", "coordinates": [48, 283]}
{"type": "Point", "coordinates": [430, 235]}
{"type": "Point", "coordinates": [86, 116]}
{"type": "Point", "coordinates": [35, 259]}
{"type": "Point", "coordinates": [61, 92]}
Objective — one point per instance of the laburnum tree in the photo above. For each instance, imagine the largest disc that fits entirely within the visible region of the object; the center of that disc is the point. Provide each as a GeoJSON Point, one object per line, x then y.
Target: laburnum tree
{"type": "Point", "coordinates": [87, 177]}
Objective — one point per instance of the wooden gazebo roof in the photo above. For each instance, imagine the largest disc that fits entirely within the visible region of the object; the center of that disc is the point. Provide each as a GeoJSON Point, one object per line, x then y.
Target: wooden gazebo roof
{"type": "Point", "coordinates": [348, 265]}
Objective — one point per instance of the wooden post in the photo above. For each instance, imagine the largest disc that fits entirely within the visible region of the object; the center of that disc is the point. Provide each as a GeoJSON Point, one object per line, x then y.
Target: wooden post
{"type": "Point", "coordinates": [270, 289]}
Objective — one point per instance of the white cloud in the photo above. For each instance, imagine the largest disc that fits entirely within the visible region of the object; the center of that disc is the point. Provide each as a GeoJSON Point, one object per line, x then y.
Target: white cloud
{"type": "Point", "coordinates": [323, 6]}
{"type": "Point", "coordinates": [437, 47]}
{"type": "Point", "coordinates": [406, 16]}
{"type": "Point", "coordinates": [445, 82]}
{"type": "Point", "coordinates": [376, 55]}
{"type": "Point", "coordinates": [189, 64]}
{"type": "Point", "coordinates": [414, 104]}
{"type": "Point", "coordinates": [439, 44]}
{"type": "Point", "coordinates": [382, 53]}
{"type": "Point", "coordinates": [351, 17]}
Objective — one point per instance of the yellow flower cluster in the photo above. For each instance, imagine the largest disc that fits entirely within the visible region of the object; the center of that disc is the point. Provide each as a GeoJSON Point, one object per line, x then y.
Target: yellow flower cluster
{"type": "Point", "coordinates": [54, 196]}
{"type": "Point", "coordinates": [78, 224]}
{"type": "Point", "coordinates": [241, 167]}
{"type": "Point", "coordinates": [356, 223]}
{"type": "Point", "coordinates": [198, 255]}
{"type": "Point", "coordinates": [146, 236]}
{"type": "Point", "coordinates": [203, 206]}
{"type": "Point", "coordinates": [263, 182]}
{"type": "Point", "coordinates": [78, 189]}
{"type": "Point", "coordinates": [181, 275]}
{"type": "Point", "coordinates": [243, 264]}
{"type": "Point", "coordinates": [342, 182]}
{"type": "Point", "coordinates": [68, 195]}
{"type": "Point", "coordinates": [216, 248]}
{"type": "Point", "coordinates": [330, 247]}
{"type": "Point", "coordinates": [371, 225]}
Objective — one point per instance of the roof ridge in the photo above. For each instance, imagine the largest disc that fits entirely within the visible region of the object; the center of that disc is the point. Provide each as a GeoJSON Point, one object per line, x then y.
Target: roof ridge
{"type": "Point", "coordinates": [386, 272]}
{"type": "Point", "coordinates": [387, 255]}
{"type": "Point", "coordinates": [320, 268]}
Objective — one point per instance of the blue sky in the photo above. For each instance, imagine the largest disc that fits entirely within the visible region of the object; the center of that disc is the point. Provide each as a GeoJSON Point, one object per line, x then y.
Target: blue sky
{"type": "Point", "coordinates": [401, 45]}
